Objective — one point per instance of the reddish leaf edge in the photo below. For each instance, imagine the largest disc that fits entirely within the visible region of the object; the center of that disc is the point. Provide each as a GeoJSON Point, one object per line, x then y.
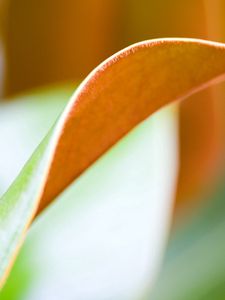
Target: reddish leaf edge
{"type": "Point", "coordinates": [86, 88]}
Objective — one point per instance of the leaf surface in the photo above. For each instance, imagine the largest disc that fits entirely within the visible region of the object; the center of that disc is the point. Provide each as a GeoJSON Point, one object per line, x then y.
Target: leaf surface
{"type": "Point", "coordinates": [119, 94]}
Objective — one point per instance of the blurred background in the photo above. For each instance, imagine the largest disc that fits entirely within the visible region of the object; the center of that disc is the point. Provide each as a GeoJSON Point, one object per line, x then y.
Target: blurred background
{"type": "Point", "coordinates": [48, 47]}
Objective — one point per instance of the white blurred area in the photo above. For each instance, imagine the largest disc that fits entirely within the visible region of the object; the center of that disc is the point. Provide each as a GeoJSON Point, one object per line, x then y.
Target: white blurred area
{"type": "Point", "coordinates": [24, 122]}
{"type": "Point", "coordinates": [103, 239]}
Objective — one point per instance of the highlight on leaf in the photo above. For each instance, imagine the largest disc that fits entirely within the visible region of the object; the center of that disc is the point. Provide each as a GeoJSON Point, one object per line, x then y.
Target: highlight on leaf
{"type": "Point", "coordinates": [118, 95]}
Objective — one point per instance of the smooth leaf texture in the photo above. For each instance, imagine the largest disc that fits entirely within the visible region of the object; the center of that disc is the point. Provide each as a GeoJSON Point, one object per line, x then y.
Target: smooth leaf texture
{"type": "Point", "coordinates": [115, 97]}
{"type": "Point", "coordinates": [99, 239]}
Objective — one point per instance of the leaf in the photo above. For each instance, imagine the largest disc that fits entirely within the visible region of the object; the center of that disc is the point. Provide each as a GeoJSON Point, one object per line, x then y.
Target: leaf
{"type": "Point", "coordinates": [114, 98]}
{"type": "Point", "coordinates": [99, 237]}
{"type": "Point", "coordinates": [136, 21]}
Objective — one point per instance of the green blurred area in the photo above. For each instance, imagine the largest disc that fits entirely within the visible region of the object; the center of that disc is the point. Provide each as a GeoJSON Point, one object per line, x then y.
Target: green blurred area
{"type": "Point", "coordinates": [194, 265]}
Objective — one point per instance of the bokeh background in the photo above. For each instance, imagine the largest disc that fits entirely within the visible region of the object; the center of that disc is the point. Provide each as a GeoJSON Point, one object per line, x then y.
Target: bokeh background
{"type": "Point", "coordinates": [46, 48]}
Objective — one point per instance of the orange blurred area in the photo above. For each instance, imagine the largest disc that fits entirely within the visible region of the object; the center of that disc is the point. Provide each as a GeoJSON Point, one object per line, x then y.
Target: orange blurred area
{"type": "Point", "coordinates": [48, 41]}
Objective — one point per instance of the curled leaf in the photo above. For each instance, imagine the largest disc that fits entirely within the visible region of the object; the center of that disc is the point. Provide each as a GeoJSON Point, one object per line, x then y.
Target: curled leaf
{"type": "Point", "coordinates": [120, 93]}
